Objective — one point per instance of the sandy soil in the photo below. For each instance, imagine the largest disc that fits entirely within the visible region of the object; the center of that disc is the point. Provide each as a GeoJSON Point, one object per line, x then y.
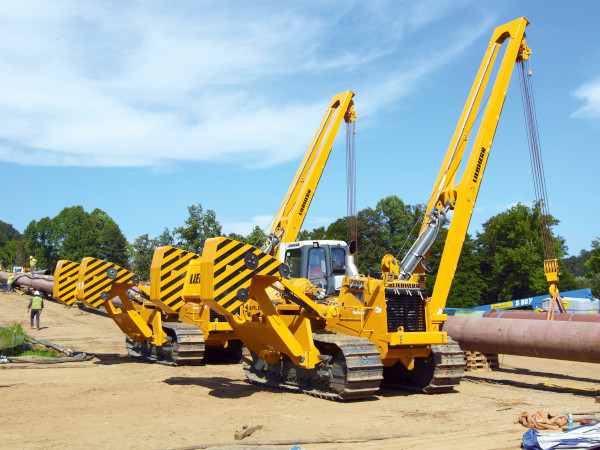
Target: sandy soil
{"type": "Point", "coordinates": [114, 401]}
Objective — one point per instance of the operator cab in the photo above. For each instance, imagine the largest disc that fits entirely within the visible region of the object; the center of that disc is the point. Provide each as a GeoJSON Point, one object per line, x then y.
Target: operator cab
{"type": "Point", "coordinates": [322, 262]}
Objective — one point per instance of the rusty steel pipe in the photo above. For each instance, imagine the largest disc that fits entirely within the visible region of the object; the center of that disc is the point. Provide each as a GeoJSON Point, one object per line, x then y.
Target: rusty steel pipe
{"type": "Point", "coordinates": [39, 283]}
{"type": "Point", "coordinates": [570, 341]}
{"type": "Point", "coordinates": [542, 316]}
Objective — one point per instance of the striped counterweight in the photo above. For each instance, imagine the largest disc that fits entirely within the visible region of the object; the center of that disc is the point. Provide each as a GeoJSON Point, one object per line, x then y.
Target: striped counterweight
{"type": "Point", "coordinates": [96, 276]}
{"type": "Point", "coordinates": [65, 282]}
{"type": "Point", "coordinates": [167, 276]}
{"type": "Point", "coordinates": [232, 265]}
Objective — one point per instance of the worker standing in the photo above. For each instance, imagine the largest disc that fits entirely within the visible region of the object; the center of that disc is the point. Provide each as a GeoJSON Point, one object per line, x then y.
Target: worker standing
{"type": "Point", "coordinates": [36, 304]}
{"type": "Point", "coordinates": [32, 263]}
{"type": "Point", "coordinates": [10, 281]}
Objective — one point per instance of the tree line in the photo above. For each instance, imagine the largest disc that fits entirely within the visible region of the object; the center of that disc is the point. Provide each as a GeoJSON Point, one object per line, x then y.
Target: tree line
{"type": "Point", "coordinates": [502, 262]}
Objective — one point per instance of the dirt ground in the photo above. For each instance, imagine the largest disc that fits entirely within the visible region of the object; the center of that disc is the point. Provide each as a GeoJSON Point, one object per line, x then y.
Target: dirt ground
{"type": "Point", "coordinates": [114, 401]}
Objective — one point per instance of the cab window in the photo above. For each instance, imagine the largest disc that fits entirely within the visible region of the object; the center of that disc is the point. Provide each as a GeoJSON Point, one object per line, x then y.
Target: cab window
{"type": "Point", "coordinates": [293, 259]}
{"type": "Point", "coordinates": [317, 268]}
{"type": "Point", "coordinates": [338, 261]}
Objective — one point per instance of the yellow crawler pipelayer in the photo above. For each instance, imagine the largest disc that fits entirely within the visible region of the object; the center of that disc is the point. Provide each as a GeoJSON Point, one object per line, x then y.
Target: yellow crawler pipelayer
{"type": "Point", "coordinates": [225, 281]}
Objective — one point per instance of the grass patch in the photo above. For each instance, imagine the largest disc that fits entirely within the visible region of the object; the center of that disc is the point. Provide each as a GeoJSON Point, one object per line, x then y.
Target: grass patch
{"type": "Point", "coordinates": [13, 343]}
{"type": "Point", "coordinates": [12, 339]}
{"type": "Point", "coordinates": [49, 353]}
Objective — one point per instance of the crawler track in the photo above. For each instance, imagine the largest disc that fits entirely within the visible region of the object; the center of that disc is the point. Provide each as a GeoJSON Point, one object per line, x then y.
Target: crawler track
{"type": "Point", "coordinates": [352, 369]}
{"type": "Point", "coordinates": [437, 374]}
{"type": "Point", "coordinates": [185, 349]}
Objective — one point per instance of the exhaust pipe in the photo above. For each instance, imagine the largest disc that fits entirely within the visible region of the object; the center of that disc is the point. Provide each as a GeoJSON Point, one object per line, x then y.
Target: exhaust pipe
{"type": "Point", "coordinates": [351, 270]}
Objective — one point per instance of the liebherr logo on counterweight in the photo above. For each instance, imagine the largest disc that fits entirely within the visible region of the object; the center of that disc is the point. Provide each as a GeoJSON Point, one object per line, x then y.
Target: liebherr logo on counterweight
{"type": "Point", "coordinates": [479, 162]}
{"type": "Point", "coordinates": [306, 197]}
{"type": "Point", "coordinates": [195, 278]}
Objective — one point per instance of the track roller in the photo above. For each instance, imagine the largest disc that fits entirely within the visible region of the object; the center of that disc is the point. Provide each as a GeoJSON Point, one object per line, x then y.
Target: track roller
{"type": "Point", "coordinates": [186, 347]}
{"type": "Point", "coordinates": [351, 369]}
{"type": "Point", "coordinates": [438, 373]}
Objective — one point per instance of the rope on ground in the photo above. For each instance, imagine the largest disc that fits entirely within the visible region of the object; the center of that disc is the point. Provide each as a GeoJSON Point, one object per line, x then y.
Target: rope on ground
{"type": "Point", "coordinates": [47, 359]}
{"type": "Point", "coordinates": [69, 355]}
{"type": "Point", "coordinates": [542, 420]}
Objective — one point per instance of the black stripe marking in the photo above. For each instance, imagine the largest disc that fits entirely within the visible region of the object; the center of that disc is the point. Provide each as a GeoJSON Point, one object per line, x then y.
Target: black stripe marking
{"type": "Point", "coordinates": [108, 283]}
{"type": "Point", "coordinates": [166, 263]}
{"type": "Point", "coordinates": [237, 272]}
{"type": "Point", "coordinates": [62, 287]}
{"type": "Point", "coordinates": [121, 271]}
{"type": "Point", "coordinates": [233, 262]}
{"type": "Point", "coordinates": [92, 270]}
{"type": "Point", "coordinates": [224, 243]}
{"type": "Point", "coordinates": [173, 281]}
{"type": "Point", "coordinates": [223, 256]}
{"type": "Point", "coordinates": [66, 294]}
{"type": "Point", "coordinates": [168, 252]}
{"type": "Point", "coordinates": [183, 264]}
{"type": "Point", "coordinates": [69, 272]}
{"type": "Point", "coordinates": [239, 283]}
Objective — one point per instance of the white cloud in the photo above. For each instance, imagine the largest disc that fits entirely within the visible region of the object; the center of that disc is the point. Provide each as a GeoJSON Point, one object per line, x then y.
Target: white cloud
{"type": "Point", "coordinates": [590, 94]}
{"type": "Point", "coordinates": [144, 84]}
{"type": "Point", "coordinates": [244, 228]}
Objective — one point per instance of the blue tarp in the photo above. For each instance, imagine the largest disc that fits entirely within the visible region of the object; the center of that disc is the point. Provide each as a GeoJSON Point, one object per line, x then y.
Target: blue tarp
{"type": "Point", "coordinates": [585, 436]}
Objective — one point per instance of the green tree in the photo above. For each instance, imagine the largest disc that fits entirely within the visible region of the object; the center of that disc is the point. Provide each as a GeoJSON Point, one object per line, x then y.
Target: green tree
{"type": "Point", "coordinates": [592, 268]}
{"type": "Point", "coordinates": [468, 283]}
{"type": "Point", "coordinates": [111, 244]}
{"type": "Point", "coordinates": [199, 226]}
{"type": "Point", "coordinates": [75, 234]}
{"type": "Point", "coordinates": [511, 255]}
{"type": "Point", "coordinates": [390, 228]}
{"type": "Point", "coordinates": [142, 251]}
{"type": "Point", "coordinates": [592, 265]}
{"type": "Point", "coordinates": [9, 233]}
{"type": "Point", "coordinates": [576, 264]}
{"type": "Point", "coordinates": [41, 242]}
{"type": "Point", "coordinates": [165, 238]}
{"type": "Point", "coordinates": [256, 237]}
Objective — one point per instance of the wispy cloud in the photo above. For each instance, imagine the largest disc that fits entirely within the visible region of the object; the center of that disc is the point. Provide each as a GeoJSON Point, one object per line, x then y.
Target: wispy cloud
{"type": "Point", "coordinates": [590, 94]}
{"type": "Point", "coordinates": [144, 84]}
{"type": "Point", "coordinates": [246, 227]}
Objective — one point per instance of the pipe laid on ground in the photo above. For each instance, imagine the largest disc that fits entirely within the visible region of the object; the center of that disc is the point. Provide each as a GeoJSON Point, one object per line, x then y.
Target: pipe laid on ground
{"type": "Point", "coordinates": [39, 283]}
{"type": "Point", "coordinates": [561, 317]}
{"type": "Point", "coordinates": [570, 341]}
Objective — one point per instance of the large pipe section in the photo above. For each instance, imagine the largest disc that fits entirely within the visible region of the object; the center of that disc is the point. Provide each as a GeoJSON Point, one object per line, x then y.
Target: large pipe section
{"type": "Point", "coordinates": [39, 283]}
{"type": "Point", "coordinates": [561, 317]}
{"type": "Point", "coordinates": [571, 341]}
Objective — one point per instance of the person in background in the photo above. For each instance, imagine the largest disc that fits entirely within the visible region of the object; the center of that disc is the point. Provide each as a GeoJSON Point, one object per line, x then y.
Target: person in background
{"type": "Point", "coordinates": [32, 263]}
{"type": "Point", "coordinates": [11, 280]}
{"type": "Point", "coordinates": [36, 304]}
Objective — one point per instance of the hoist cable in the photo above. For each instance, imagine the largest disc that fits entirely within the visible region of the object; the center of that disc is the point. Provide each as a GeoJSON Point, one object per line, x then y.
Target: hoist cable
{"type": "Point", "coordinates": [351, 180]}
{"type": "Point", "coordinates": [537, 166]}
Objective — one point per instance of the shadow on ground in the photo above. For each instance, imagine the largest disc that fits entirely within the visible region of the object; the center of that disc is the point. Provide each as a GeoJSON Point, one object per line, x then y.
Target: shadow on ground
{"type": "Point", "coordinates": [559, 376]}
{"type": "Point", "coordinates": [220, 387]}
{"type": "Point", "coordinates": [538, 386]}
{"type": "Point", "coordinates": [116, 358]}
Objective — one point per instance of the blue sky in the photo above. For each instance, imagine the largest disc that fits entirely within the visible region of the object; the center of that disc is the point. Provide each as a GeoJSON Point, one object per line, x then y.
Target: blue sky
{"type": "Point", "coordinates": [144, 108]}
